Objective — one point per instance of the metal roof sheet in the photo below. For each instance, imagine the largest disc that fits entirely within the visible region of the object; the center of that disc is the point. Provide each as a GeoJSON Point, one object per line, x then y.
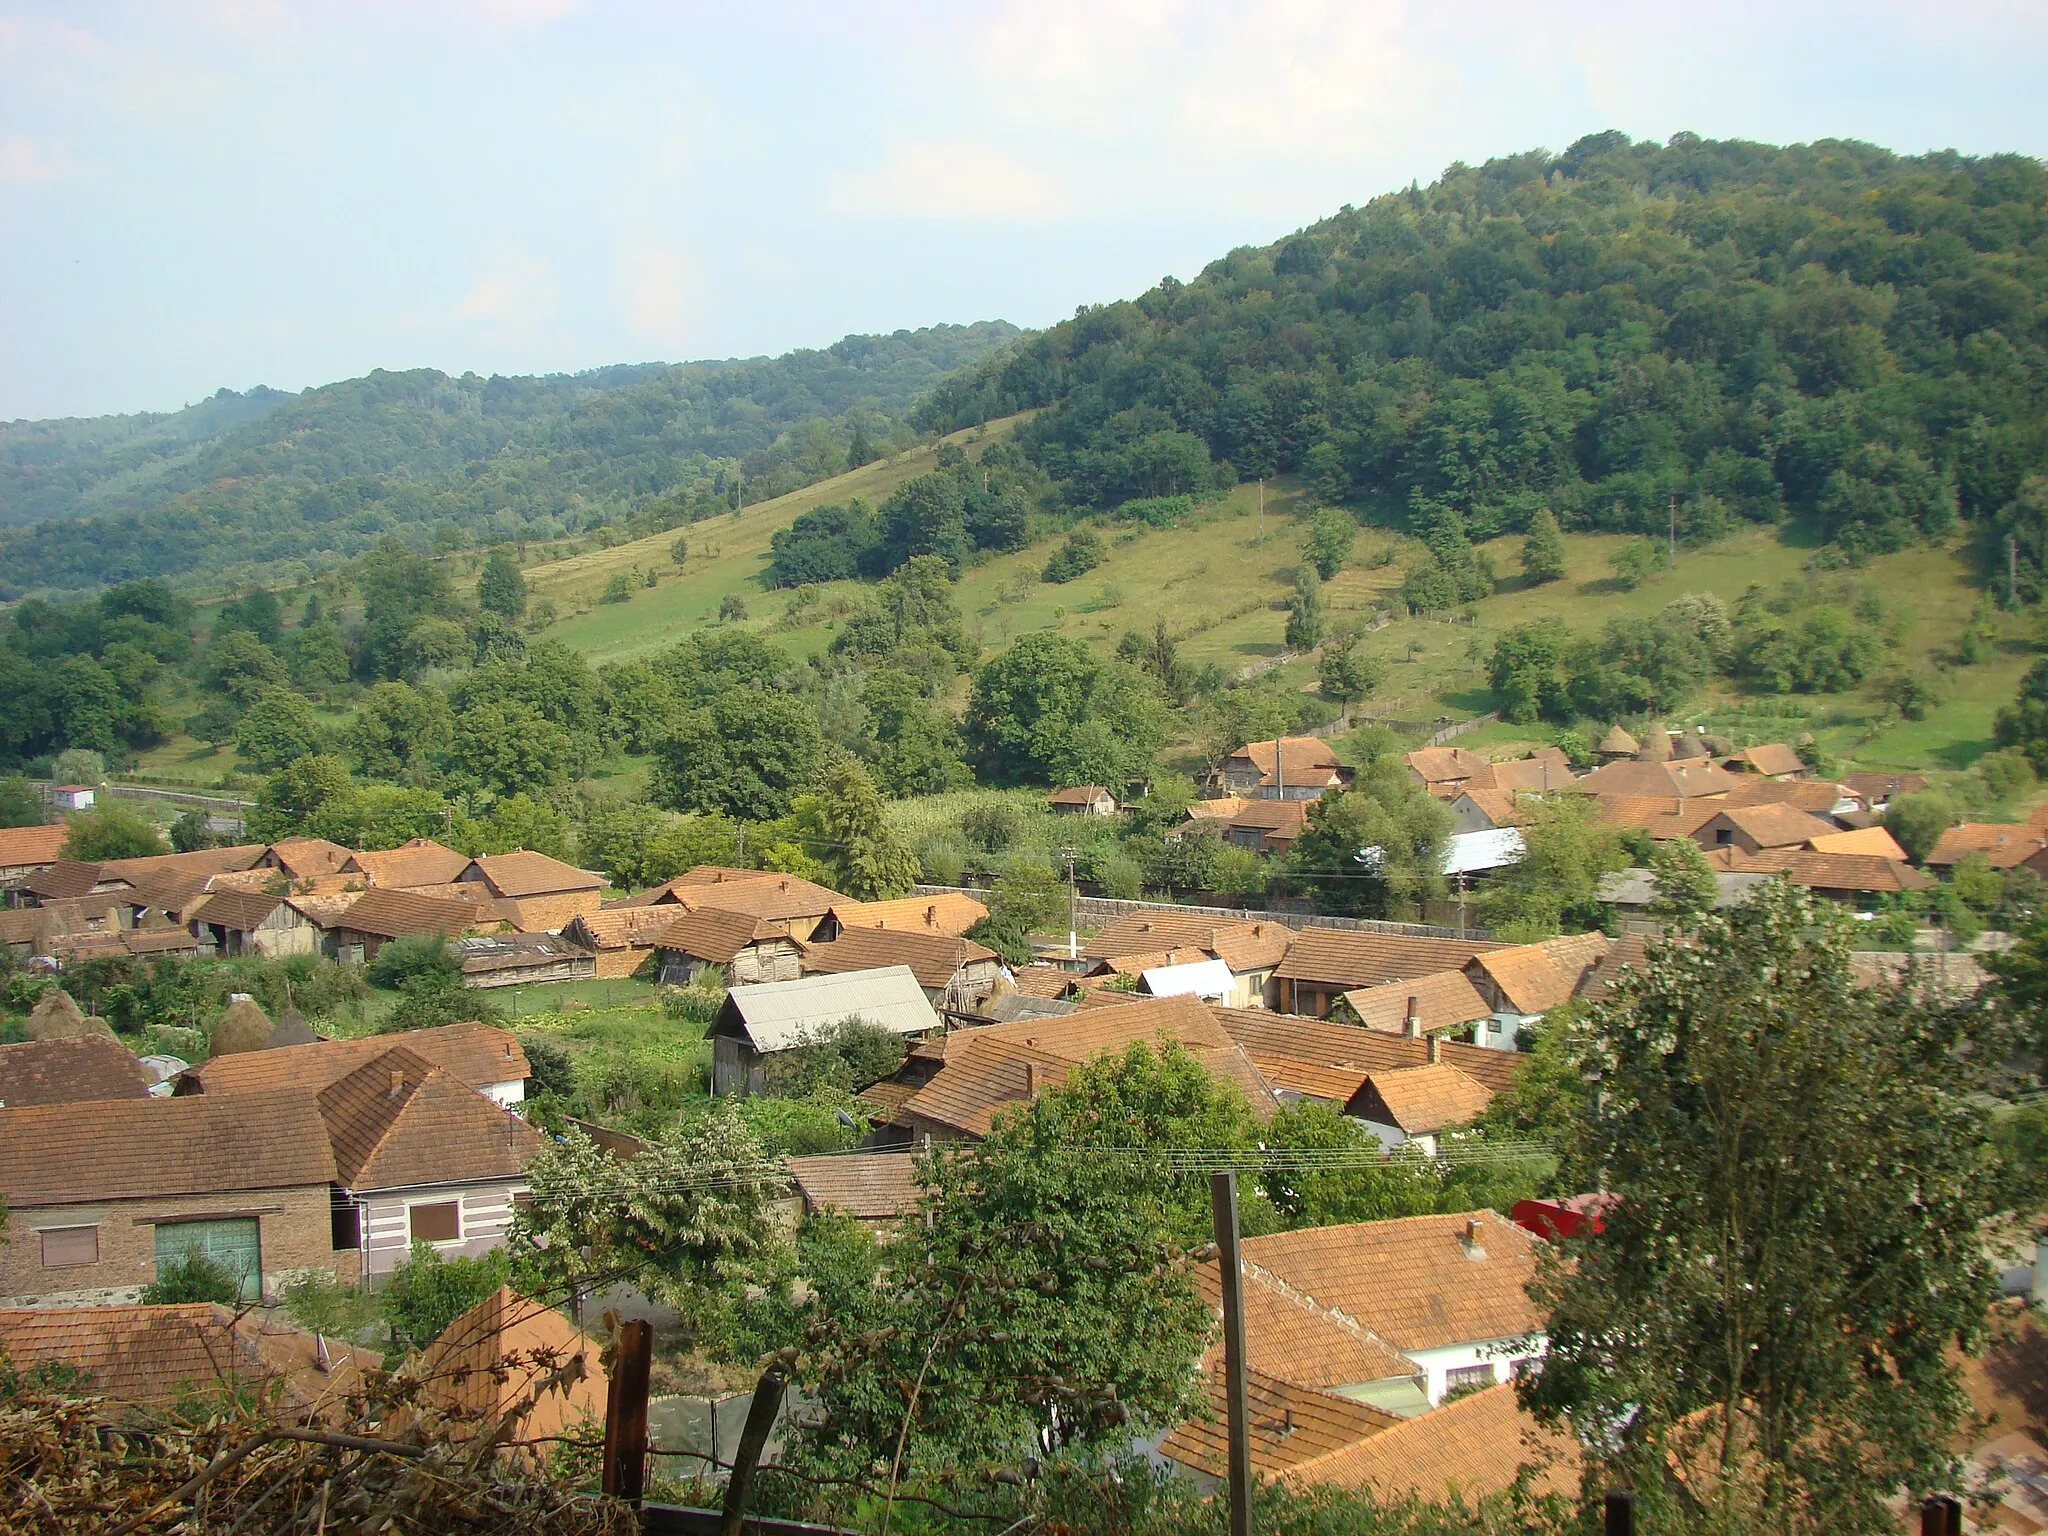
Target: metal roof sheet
{"type": "Point", "coordinates": [777, 1015]}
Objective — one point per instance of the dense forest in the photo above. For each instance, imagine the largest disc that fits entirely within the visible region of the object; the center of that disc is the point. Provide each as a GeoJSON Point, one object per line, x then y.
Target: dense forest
{"type": "Point", "coordinates": [291, 483]}
{"type": "Point", "coordinates": [1829, 334]}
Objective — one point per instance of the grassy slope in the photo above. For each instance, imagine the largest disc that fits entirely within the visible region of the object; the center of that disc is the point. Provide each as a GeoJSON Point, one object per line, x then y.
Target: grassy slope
{"type": "Point", "coordinates": [1219, 585]}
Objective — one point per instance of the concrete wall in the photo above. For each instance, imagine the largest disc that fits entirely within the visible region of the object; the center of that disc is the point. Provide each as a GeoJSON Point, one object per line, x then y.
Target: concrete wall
{"type": "Point", "coordinates": [1497, 1355]}
{"type": "Point", "coordinates": [293, 1230]}
{"type": "Point", "coordinates": [386, 1226]}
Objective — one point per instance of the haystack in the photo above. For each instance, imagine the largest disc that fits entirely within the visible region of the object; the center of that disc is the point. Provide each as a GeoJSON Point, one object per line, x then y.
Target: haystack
{"type": "Point", "coordinates": [1617, 743]}
{"type": "Point", "coordinates": [58, 1017]}
{"type": "Point", "coordinates": [1656, 747]}
{"type": "Point", "coordinates": [244, 1027]}
{"type": "Point", "coordinates": [292, 1029]}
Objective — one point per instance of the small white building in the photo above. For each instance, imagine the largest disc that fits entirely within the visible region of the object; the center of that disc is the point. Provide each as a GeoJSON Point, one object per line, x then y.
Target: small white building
{"type": "Point", "coordinates": [755, 1022]}
{"type": "Point", "coordinates": [72, 797]}
{"type": "Point", "coordinates": [1210, 980]}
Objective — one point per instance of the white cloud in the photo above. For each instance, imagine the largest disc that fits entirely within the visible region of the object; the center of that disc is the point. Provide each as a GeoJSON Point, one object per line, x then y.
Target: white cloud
{"type": "Point", "coordinates": [514, 295]}
{"type": "Point", "coordinates": [660, 292]}
{"type": "Point", "coordinates": [23, 160]}
{"type": "Point", "coordinates": [935, 179]}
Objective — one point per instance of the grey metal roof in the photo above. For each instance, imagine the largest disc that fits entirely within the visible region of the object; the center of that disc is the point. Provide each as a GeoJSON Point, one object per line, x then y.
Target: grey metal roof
{"type": "Point", "coordinates": [777, 1015]}
{"type": "Point", "coordinates": [1637, 887]}
{"type": "Point", "coordinates": [1012, 1006]}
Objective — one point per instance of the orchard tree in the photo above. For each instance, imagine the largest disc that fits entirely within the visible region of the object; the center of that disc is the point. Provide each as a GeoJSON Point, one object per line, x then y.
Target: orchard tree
{"type": "Point", "coordinates": [1917, 820]}
{"type": "Point", "coordinates": [1686, 886]}
{"type": "Point", "coordinates": [1306, 615]}
{"type": "Point", "coordinates": [1327, 544]}
{"type": "Point", "coordinates": [1376, 849]}
{"type": "Point", "coordinates": [500, 589]}
{"type": "Point", "coordinates": [867, 859]}
{"type": "Point", "coordinates": [1762, 1335]}
{"type": "Point", "coordinates": [277, 729]}
{"type": "Point", "coordinates": [1543, 550]}
{"type": "Point", "coordinates": [1347, 673]}
{"type": "Point", "coordinates": [746, 756]}
{"type": "Point", "coordinates": [111, 831]}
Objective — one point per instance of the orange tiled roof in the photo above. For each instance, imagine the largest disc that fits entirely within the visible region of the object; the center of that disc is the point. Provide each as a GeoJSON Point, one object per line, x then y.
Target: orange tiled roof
{"type": "Point", "coordinates": [476, 1054]}
{"type": "Point", "coordinates": [1426, 1099]}
{"type": "Point", "coordinates": [389, 913]}
{"type": "Point", "coordinates": [1243, 946]}
{"type": "Point", "coordinates": [397, 1120]}
{"type": "Point", "coordinates": [305, 858]}
{"type": "Point", "coordinates": [526, 873]}
{"type": "Point", "coordinates": [1291, 1334]}
{"type": "Point", "coordinates": [1333, 1085]}
{"type": "Point", "coordinates": [1772, 757]}
{"type": "Point", "coordinates": [1412, 1282]}
{"type": "Point", "coordinates": [951, 912]}
{"type": "Point", "coordinates": [422, 861]}
{"type": "Point", "coordinates": [201, 861]}
{"type": "Point", "coordinates": [1871, 840]}
{"type": "Point", "coordinates": [1306, 759]}
{"type": "Point", "coordinates": [1854, 872]}
{"type": "Point", "coordinates": [1496, 805]}
{"type": "Point", "coordinates": [1444, 1000]}
{"type": "Point", "coordinates": [1475, 1446]}
{"type": "Point", "coordinates": [122, 1149]}
{"type": "Point", "coordinates": [1342, 959]}
{"type": "Point", "coordinates": [1078, 794]}
{"type": "Point", "coordinates": [494, 1356]}
{"type": "Point", "coordinates": [1290, 1424]}
{"type": "Point", "coordinates": [621, 927]}
{"type": "Point", "coordinates": [1527, 980]}
{"type": "Point", "coordinates": [1292, 1037]}
{"type": "Point", "coordinates": [716, 935]}
{"type": "Point", "coordinates": [1693, 776]}
{"type": "Point", "coordinates": [865, 1185]}
{"type": "Point", "coordinates": [21, 846]}
{"type": "Point", "coordinates": [2004, 844]}
{"type": "Point", "coordinates": [1816, 795]}
{"type": "Point", "coordinates": [1661, 817]}
{"type": "Point", "coordinates": [934, 958]}
{"type": "Point", "coordinates": [1773, 826]}
{"type": "Point", "coordinates": [1044, 981]}
{"type": "Point", "coordinates": [68, 1071]}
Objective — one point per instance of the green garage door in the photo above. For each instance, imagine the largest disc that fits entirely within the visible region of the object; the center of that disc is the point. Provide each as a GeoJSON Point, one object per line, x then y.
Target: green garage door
{"type": "Point", "coordinates": [231, 1244]}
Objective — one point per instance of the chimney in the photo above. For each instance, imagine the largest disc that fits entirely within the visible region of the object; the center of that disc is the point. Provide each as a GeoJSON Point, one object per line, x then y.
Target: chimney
{"type": "Point", "coordinates": [1030, 1079]}
{"type": "Point", "coordinates": [397, 1084]}
{"type": "Point", "coordinates": [1436, 1049]}
{"type": "Point", "coordinates": [1413, 1028]}
{"type": "Point", "coordinates": [1474, 1249]}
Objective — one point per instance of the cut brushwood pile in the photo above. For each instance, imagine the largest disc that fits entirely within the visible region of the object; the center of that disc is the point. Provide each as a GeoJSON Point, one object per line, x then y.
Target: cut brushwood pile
{"type": "Point", "coordinates": [70, 1462]}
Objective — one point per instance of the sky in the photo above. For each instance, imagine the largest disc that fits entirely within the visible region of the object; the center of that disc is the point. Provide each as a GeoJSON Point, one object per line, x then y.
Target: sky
{"type": "Point", "coordinates": [216, 193]}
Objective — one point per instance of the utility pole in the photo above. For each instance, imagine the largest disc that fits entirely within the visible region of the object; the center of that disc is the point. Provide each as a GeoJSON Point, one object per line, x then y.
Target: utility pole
{"type": "Point", "coordinates": [740, 856]}
{"type": "Point", "coordinates": [1262, 508]}
{"type": "Point", "coordinates": [2012, 571]}
{"type": "Point", "coordinates": [1671, 550]}
{"type": "Point", "coordinates": [1073, 908]}
{"type": "Point", "coordinates": [1223, 1212]}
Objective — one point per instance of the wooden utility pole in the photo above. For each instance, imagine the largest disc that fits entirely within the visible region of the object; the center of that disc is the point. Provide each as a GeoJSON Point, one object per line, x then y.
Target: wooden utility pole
{"type": "Point", "coordinates": [625, 1414]}
{"type": "Point", "coordinates": [754, 1433]}
{"type": "Point", "coordinates": [1262, 506]}
{"type": "Point", "coordinates": [1223, 1210]}
{"type": "Point", "coordinates": [1619, 1513]}
{"type": "Point", "coordinates": [2012, 571]}
{"type": "Point", "coordinates": [1671, 549]}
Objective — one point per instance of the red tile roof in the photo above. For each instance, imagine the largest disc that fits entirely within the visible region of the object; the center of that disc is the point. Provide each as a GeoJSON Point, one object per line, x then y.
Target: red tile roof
{"type": "Point", "coordinates": [476, 1054]}
{"type": "Point", "coordinates": [716, 935]}
{"type": "Point", "coordinates": [868, 1186]}
{"type": "Point", "coordinates": [1444, 1001]}
{"type": "Point", "coordinates": [1342, 959]}
{"type": "Point", "coordinates": [387, 913]}
{"type": "Point", "coordinates": [68, 1071]}
{"type": "Point", "coordinates": [422, 861]}
{"type": "Point", "coordinates": [23, 846]}
{"type": "Point", "coordinates": [934, 958]}
{"type": "Point", "coordinates": [525, 873]}
{"type": "Point", "coordinates": [397, 1120]}
{"type": "Point", "coordinates": [951, 912]}
{"type": "Point", "coordinates": [1290, 1424]}
{"type": "Point", "coordinates": [1475, 1446]}
{"type": "Point", "coordinates": [1421, 1101]}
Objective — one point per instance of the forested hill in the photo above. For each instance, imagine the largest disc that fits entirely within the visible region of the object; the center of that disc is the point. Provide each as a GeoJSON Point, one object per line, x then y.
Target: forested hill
{"type": "Point", "coordinates": [268, 478]}
{"type": "Point", "coordinates": [1828, 333]}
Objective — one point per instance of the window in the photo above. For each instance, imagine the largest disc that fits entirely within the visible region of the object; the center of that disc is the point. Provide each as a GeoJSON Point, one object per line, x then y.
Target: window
{"type": "Point", "coordinates": [438, 1223]}
{"type": "Point", "coordinates": [64, 1247]}
{"type": "Point", "coordinates": [1467, 1377]}
{"type": "Point", "coordinates": [348, 1226]}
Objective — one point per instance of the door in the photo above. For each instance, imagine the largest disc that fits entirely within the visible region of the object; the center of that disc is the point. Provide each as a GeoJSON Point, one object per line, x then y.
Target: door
{"type": "Point", "coordinates": [232, 1244]}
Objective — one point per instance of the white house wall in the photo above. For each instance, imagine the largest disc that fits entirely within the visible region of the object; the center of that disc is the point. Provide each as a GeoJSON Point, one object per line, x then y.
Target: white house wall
{"type": "Point", "coordinates": [386, 1225]}
{"type": "Point", "coordinates": [1498, 1355]}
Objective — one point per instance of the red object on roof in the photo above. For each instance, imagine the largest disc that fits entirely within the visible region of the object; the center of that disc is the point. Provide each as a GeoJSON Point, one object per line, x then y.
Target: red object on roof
{"type": "Point", "coordinates": [1551, 1219]}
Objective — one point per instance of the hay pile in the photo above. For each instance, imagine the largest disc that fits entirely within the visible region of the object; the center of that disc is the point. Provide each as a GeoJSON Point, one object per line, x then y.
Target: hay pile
{"type": "Point", "coordinates": [71, 1464]}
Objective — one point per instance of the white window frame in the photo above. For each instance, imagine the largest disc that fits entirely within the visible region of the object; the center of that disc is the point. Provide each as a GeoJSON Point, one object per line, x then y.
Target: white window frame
{"type": "Point", "coordinates": [460, 1223]}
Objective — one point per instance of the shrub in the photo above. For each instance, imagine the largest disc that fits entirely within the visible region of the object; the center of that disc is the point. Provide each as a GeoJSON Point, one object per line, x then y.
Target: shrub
{"type": "Point", "coordinates": [1079, 555]}
{"type": "Point", "coordinates": [619, 589]}
{"type": "Point", "coordinates": [551, 1069]}
{"type": "Point", "coordinates": [194, 1277]}
{"type": "Point", "coordinates": [694, 1004]}
{"type": "Point", "coordinates": [428, 1292]}
{"type": "Point", "coordinates": [404, 960]}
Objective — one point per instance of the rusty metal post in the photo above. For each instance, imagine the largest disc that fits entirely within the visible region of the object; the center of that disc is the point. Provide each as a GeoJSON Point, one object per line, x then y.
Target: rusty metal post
{"type": "Point", "coordinates": [1223, 1210]}
{"type": "Point", "coordinates": [753, 1440]}
{"type": "Point", "coordinates": [1619, 1513]}
{"type": "Point", "coordinates": [625, 1413]}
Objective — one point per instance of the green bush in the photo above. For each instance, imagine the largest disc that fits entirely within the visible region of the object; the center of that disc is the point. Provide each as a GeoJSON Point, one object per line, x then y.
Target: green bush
{"type": "Point", "coordinates": [695, 1004]}
{"type": "Point", "coordinates": [408, 959]}
{"type": "Point", "coordinates": [194, 1277]}
{"type": "Point", "coordinates": [428, 1292]}
{"type": "Point", "coordinates": [550, 1068]}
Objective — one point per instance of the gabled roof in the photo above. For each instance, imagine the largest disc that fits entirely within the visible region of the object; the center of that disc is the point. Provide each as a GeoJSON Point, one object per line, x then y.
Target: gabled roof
{"type": "Point", "coordinates": [1444, 1000]}
{"type": "Point", "coordinates": [1243, 946]}
{"type": "Point", "coordinates": [201, 861]}
{"type": "Point", "coordinates": [776, 1015]}
{"type": "Point", "coordinates": [398, 1120]}
{"type": "Point", "coordinates": [421, 861]}
{"type": "Point", "coordinates": [157, 1357]}
{"type": "Point", "coordinates": [484, 955]}
{"type": "Point", "coordinates": [1413, 1282]}
{"type": "Point", "coordinates": [476, 1054]}
{"type": "Point", "coordinates": [71, 878]}
{"type": "Point", "coordinates": [1445, 765]}
{"type": "Point", "coordinates": [397, 914]}
{"type": "Point", "coordinates": [1422, 1100]}
{"type": "Point", "coordinates": [1296, 1336]}
{"type": "Point", "coordinates": [947, 912]}
{"type": "Point", "coordinates": [1871, 840]}
{"type": "Point", "coordinates": [1079, 794]}
{"type": "Point", "coordinates": [69, 1071]}
{"type": "Point", "coordinates": [1537, 774]}
{"type": "Point", "coordinates": [239, 911]}
{"type": "Point", "coordinates": [1772, 826]}
{"type": "Point", "coordinates": [1473, 1447]}
{"type": "Point", "coordinates": [1306, 759]}
{"type": "Point", "coordinates": [1496, 805]}
{"type": "Point", "coordinates": [1291, 1037]}
{"type": "Point", "coordinates": [2004, 844]}
{"type": "Point", "coordinates": [762, 892]}
{"type": "Point", "coordinates": [1695, 776]}
{"type": "Point", "coordinates": [1280, 820]}
{"type": "Point", "coordinates": [1660, 817]}
{"type": "Point", "coordinates": [1290, 1424]}
{"type": "Point", "coordinates": [1528, 981]}
{"type": "Point", "coordinates": [868, 1186]}
{"type": "Point", "coordinates": [20, 846]}
{"type": "Point", "coordinates": [716, 935]}
{"type": "Point", "coordinates": [1630, 952]}
{"type": "Point", "coordinates": [1851, 872]}
{"type": "Point", "coordinates": [307, 858]}
{"type": "Point", "coordinates": [934, 958]}
{"type": "Point", "coordinates": [1044, 980]}
{"type": "Point", "coordinates": [525, 873]}
{"type": "Point", "coordinates": [1344, 959]}
{"type": "Point", "coordinates": [1820, 796]}
{"type": "Point", "coordinates": [620, 927]}
{"type": "Point", "coordinates": [1879, 788]}
{"type": "Point", "coordinates": [1772, 757]}
{"type": "Point", "coordinates": [124, 1149]}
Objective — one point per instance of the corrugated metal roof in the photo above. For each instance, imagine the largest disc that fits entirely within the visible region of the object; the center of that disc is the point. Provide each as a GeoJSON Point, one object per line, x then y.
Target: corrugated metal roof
{"type": "Point", "coordinates": [1467, 853]}
{"type": "Point", "coordinates": [777, 1015]}
{"type": "Point", "coordinates": [1210, 979]}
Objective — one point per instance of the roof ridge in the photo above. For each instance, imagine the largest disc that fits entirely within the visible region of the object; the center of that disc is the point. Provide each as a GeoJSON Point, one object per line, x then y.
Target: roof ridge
{"type": "Point", "coordinates": [1308, 1303]}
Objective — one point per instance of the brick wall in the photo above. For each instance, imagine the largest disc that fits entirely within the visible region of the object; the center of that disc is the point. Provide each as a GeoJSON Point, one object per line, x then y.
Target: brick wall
{"type": "Point", "coordinates": [550, 914]}
{"type": "Point", "coordinates": [293, 1228]}
{"type": "Point", "coordinates": [613, 964]}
